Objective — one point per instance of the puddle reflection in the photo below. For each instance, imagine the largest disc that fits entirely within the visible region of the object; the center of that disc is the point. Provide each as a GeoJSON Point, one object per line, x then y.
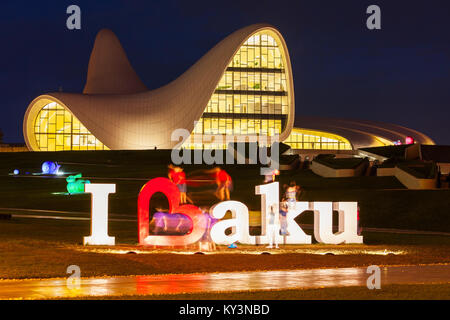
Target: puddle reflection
{"type": "Point", "coordinates": [231, 281]}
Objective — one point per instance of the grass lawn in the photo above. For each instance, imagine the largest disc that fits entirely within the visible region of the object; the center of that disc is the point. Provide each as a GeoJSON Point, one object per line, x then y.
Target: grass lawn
{"type": "Point", "coordinates": [388, 292]}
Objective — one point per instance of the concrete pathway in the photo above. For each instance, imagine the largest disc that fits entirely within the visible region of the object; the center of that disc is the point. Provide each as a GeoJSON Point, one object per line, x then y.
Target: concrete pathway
{"type": "Point", "coordinates": [218, 282]}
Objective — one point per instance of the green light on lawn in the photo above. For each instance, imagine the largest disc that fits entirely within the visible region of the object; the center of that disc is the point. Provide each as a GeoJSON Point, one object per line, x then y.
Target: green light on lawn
{"type": "Point", "coordinates": [75, 184]}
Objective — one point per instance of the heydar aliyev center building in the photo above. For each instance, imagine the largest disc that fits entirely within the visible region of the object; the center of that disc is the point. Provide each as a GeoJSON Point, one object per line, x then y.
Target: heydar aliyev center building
{"type": "Point", "coordinates": [242, 87]}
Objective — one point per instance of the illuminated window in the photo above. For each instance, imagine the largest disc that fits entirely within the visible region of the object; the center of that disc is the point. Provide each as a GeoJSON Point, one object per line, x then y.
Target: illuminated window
{"type": "Point", "coordinates": [252, 95]}
{"type": "Point", "coordinates": [310, 139]}
{"type": "Point", "coordinates": [56, 129]}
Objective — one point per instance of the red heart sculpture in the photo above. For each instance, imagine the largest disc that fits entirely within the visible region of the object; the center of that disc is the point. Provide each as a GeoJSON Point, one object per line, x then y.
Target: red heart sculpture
{"type": "Point", "coordinates": [170, 190]}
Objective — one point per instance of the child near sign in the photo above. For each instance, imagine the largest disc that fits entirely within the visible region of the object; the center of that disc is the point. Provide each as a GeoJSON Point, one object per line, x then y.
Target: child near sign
{"type": "Point", "coordinates": [272, 228]}
{"type": "Point", "coordinates": [283, 217]}
{"type": "Point", "coordinates": [291, 194]}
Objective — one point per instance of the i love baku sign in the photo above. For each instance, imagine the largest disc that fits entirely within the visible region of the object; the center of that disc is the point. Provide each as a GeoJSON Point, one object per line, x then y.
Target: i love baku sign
{"type": "Point", "coordinates": [239, 223]}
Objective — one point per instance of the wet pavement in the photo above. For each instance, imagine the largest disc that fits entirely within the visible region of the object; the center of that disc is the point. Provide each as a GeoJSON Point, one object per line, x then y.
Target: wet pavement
{"type": "Point", "coordinates": [214, 282]}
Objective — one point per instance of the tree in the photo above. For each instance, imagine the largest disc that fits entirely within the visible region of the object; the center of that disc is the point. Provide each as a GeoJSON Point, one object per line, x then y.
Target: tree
{"type": "Point", "coordinates": [1, 136]}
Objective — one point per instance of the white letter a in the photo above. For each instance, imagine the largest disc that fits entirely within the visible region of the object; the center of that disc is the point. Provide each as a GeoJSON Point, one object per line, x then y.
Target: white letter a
{"type": "Point", "coordinates": [73, 21]}
{"type": "Point", "coordinates": [374, 21]}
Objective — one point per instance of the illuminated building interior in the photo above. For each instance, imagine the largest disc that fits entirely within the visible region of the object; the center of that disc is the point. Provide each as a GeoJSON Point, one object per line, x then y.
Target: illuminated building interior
{"type": "Point", "coordinates": [56, 129]}
{"type": "Point", "coordinates": [252, 95]}
{"type": "Point", "coordinates": [311, 139]}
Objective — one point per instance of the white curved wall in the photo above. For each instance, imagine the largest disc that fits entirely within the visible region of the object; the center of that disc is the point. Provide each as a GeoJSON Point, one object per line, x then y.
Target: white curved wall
{"type": "Point", "coordinates": [144, 120]}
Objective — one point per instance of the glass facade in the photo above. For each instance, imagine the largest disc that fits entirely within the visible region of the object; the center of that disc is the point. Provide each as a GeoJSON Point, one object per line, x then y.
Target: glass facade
{"type": "Point", "coordinates": [311, 139]}
{"type": "Point", "coordinates": [251, 97]}
{"type": "Point", "coordinates": [56, 129]}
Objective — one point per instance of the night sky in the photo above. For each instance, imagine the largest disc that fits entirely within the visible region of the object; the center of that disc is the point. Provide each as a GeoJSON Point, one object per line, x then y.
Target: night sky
{"type": "Point", "coordinates": [399, 74]}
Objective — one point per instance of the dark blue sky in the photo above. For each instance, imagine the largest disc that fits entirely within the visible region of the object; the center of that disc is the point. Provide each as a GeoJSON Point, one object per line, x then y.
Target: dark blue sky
{"type": "Point", "coordinates": [399, 74]}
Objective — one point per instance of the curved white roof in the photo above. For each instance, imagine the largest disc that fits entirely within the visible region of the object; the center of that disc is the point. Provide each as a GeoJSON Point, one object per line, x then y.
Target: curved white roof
{"type": "Point", "coordinates": [117, 109]}
{"type": "Point", "coordinates": [361, 133]}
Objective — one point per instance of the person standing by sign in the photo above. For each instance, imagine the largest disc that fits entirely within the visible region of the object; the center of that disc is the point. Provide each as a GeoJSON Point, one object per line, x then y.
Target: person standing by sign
{"type": "Point", "coordinates": [283, 217]}
{"type": "Point", "coordinates": [272, 228]}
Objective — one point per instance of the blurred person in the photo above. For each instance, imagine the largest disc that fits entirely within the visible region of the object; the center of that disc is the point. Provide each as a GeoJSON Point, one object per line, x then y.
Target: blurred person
{"type": "Point", "coordinates": [270, 176]}
{"type": "Point", "coordinates": [272, 228]}
{"type": "Point", "coordinates": [283, 217]}
{"type": "Point", "coordinates": [158, 222]}
{"type": "Point", "coordinates": [170, 223]}
{"type": "Point", "coordinates": [206, 242]}
{"type": "Point", "coordinates": [224, 183]}
{"type": "Point", "coordinates": [178, 177]}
